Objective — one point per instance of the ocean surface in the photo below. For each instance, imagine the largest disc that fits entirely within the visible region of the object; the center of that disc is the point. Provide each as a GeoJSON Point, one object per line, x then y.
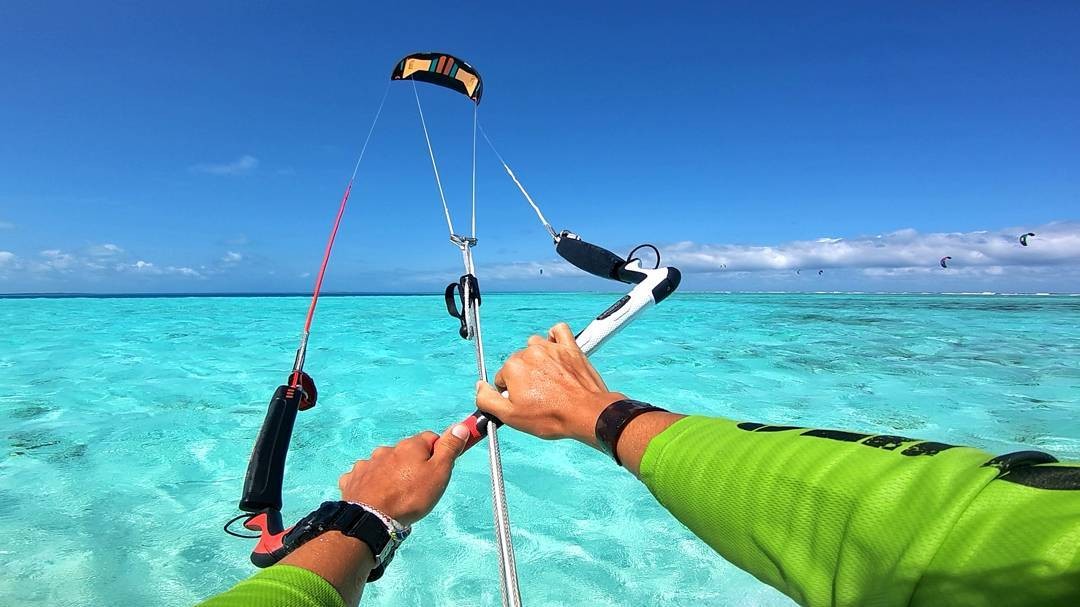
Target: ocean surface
{"type": "Point", "coordinates": [127, 423]}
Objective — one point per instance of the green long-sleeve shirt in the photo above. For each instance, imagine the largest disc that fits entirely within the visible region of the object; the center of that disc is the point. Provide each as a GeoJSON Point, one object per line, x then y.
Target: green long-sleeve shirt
{"type": "Point", "coordinates": [839, 518]}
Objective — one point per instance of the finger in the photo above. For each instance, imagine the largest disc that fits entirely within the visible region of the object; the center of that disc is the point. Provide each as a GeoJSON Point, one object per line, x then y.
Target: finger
{"type": "Point", "coordinates": [512, 366]}
{"type": "Point", "coordinates": [357, 467]}
{"type": "Point", "coordinates": [428, 440]}
{"type": "Point", "coordinates": [450, 445]}
{"type": "Point", "coordinates": [535, 339]}
{"type": "Point", "coordinates": [381, 451]}
{"type": "Point", "coordinates": [418, 445]}
{"type": "Point", "coordinates": [533, 354]}
{"type": "Point", "coordinates": [489, 400]}
{"type": "Point", "coordinates": [561, 334]}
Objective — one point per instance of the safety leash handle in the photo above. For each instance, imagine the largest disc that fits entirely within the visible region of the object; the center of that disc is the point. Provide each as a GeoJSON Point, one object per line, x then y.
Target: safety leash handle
{"type": "Point", "coordinates": [261, 500]}
{"type": "Point", "coordinates": [657, 285]}
{"type": "Point", "coordinates": [271, 546]}
{"type": "Point", "coordinates": [266, 468]}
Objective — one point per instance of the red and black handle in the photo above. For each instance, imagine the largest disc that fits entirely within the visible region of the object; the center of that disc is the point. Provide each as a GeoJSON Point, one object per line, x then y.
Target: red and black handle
{"type": "Point", "coordinates": [266, 468]}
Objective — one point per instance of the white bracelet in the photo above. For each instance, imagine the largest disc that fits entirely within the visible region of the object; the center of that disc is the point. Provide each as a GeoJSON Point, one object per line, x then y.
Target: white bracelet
{"type": "Point", "coordinates": [397, 531]}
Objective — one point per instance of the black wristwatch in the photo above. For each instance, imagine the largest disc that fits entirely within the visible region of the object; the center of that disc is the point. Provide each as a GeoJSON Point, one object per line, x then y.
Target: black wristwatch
{"type": "Point", "coordinates": [381, 535]}
{"type": "Point", "coordinates": [614, 419]}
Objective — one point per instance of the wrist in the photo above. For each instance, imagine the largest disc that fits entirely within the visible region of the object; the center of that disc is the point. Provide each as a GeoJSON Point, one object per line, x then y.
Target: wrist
{"type": "Point", "coordinates": [337, 524]}
{"type": "Point", "coordinates": [387, 508]}
{"type": "Point", "coordinates": [615, 419]}
{"type": "Point", "coordinates": [348, 548]}
{"type": "Point", "coordinates": [346, 562]}
{"type": "Point", "coordinates": [584, 425]}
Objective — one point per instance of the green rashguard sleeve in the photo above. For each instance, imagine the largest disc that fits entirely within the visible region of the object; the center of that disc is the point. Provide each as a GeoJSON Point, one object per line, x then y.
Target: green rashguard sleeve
{"type": "Point", "coordinates": [839, 518]}
{"type": "Point", "coordinates": [279, 586]}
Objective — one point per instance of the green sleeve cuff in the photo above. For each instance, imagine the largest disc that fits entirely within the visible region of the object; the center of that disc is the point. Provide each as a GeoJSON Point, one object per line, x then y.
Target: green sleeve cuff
{"type": "Point", "coordinates": [279, 586]}
{"type": "Point", "coordinates": [650, 460]}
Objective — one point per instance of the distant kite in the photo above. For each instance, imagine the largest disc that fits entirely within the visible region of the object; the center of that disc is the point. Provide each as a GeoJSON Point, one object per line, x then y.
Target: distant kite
{"type": "Point", "coordinates": [820, 272]}
{"type": "Point", "coordinates": [541, 271]}
{"type": "Point", "coordinates": [798, 271]}
{"type": "Point", "coordinates": [1024, 237]}
{"type": "Point", "coordinates": [943, 260]}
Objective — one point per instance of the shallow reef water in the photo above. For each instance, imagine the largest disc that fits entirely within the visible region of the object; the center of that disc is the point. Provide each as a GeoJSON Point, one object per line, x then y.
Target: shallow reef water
{"type": "Point", "coordinates": [127, 424]}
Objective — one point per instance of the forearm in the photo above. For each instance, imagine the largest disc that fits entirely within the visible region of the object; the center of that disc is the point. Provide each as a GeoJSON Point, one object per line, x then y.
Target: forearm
{"type": "Point", "coordinates": [345, 562]}
{"type": "Point", "coordinates": [328, 571]}
{"type": "Point", "coordinates": [639, 433]}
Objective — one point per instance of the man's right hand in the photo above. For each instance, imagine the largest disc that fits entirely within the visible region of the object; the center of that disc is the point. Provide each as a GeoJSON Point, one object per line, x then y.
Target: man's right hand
{"type": "Point", "coordinates": [552, 390]}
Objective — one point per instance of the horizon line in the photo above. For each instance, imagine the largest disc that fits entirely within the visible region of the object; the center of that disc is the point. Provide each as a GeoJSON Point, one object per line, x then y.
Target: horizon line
{"type": "Point", "coordinates": [253, 294]}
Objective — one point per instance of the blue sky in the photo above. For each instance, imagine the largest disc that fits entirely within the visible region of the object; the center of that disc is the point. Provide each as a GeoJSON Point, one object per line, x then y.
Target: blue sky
{"type": "Point", "coordinates": [199, 147]}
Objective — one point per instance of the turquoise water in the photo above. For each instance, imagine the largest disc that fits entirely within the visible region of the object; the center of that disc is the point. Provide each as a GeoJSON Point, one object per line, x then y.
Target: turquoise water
{"type": "Point", "coordinates": [127, 424]}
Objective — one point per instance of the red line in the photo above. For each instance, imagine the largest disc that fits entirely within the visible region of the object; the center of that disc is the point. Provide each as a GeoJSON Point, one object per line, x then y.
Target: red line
{"type": "Point", "coordinates": [326, 258]}
{"type": "Point", "coordinates": [322, 269]}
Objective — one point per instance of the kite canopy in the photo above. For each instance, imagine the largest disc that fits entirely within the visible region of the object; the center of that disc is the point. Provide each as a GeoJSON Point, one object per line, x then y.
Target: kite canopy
{"type": "Point", "coordinates": [444, 70]}
{"type": "Point", "coordinates": [1023, 238]}
{"type": "Point", "coordinates": [943, 260]}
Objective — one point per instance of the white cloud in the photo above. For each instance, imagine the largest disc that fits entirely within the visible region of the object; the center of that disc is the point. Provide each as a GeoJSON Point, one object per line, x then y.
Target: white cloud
{"type": "Point", "coordinates": [241, 166]}
{"type": "Point", "coordinates": [96, 260]}
{"type": "Point", "coordinates": [104, 250]}
{"type": "Point", "coordinates": [989, 252]}
{"type": "Point", "coordinates": [55, 259]}
{"type": "Point", "coordinates": [92, 265]}
{"type": "Point", "coordinates": [185, 271]}
{"type": "Point", "coordinates": [148, 268]}
{"type": "Point", "coordinates": [231, 257]}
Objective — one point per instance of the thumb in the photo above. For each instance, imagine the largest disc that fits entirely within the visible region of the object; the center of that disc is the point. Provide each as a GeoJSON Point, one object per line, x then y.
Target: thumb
{"type": "Point", "coordinates": [490, 401]}
{"type": "Point", "coordinates": [450, 445]}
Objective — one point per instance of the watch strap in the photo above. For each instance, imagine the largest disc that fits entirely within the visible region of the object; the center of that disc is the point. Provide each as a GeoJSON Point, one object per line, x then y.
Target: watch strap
{"type": "Point", "coordinates": [354, 521]}
{"type": "Point", "coordinates": [614, 419]}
